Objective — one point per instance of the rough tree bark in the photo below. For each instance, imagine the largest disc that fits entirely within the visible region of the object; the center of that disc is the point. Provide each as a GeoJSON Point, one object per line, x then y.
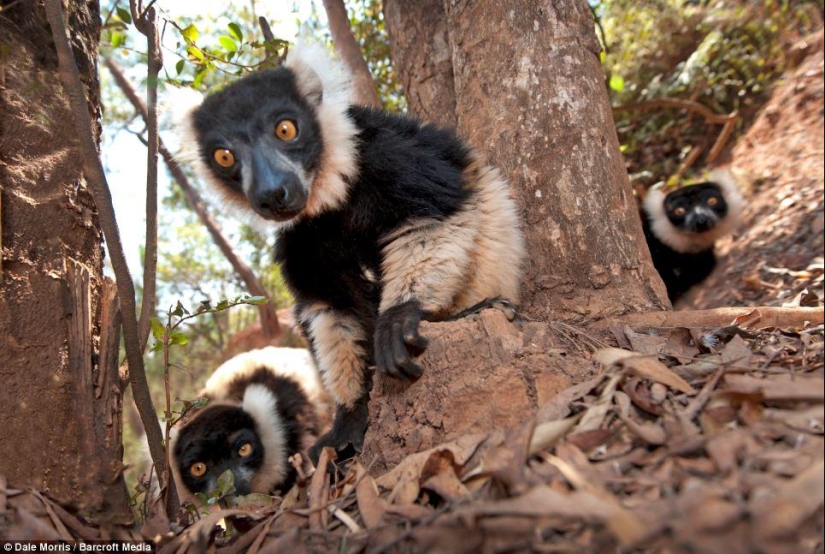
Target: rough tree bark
{"type": "Point", "coordinates": [60, 399]}
{"type": "Point", "coordinates": [529, 94]}
{"type": "Point", "coordinates": [422, 56]}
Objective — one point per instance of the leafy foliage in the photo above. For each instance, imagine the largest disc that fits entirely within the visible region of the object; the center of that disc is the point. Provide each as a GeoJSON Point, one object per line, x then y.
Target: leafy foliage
{"type": "Point", "coordinates": [723, 54]}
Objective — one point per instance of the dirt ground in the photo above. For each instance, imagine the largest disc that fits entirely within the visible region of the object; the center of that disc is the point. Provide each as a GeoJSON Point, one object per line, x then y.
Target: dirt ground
{"type": "Point", "coordinates": [778, 253]}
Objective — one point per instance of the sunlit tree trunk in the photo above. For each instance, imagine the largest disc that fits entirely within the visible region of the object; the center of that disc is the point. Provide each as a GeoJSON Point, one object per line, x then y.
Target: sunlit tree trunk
{"type": "Point", "coordinates": [529, 93]}
{"type": "Point", "coordinates": [61, 396]}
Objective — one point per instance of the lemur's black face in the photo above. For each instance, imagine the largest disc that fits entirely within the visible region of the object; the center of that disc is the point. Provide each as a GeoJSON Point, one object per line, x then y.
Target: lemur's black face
{"type": "Point", "coordinates": [696, 208]}
{"type": "Point", "coordinates": [261, 139]}
{"type": "Point", "coordinates": [219, 438]}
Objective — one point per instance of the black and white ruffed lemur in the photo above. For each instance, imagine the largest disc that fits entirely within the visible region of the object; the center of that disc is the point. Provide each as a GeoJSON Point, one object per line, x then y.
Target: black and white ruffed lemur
{"type": "Point", "coordinates": [381, 221]}
{"type": "Point", "coordinates": [683, 225]}
{"type": "Point", "coordinates": [264, 406]}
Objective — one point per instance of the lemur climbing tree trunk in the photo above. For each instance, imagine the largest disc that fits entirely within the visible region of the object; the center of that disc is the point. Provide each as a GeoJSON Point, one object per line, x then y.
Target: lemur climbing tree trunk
{"type": "Point", "coordinates": [529, 93]}
{"type": "Point", "coordinates": [60, 399]}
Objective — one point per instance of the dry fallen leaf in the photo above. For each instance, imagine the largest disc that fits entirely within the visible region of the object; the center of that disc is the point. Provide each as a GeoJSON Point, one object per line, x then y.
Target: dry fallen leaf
{"type": "Point", "coordinates": [643, 366]}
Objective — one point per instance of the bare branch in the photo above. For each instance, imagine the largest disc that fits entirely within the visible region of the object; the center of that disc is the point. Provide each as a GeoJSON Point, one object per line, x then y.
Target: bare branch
{"type": "Point", "coordinates": [147, 24]}
{"type": "Point", "coordinates": [271, 43]}
{"type": "Point", "coordinates": [93, 171]}
{"type": "Point", "coordinates": [350, 52]}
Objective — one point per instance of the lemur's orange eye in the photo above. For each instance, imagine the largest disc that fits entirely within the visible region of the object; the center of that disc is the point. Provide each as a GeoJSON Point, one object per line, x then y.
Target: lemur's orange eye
{"type": "Point", "coordinates": [224, 157]}
{"type": "Point", "coordinates": [286, 130]}
{"type": "Point", "coordinates": [245, 450]}
{"type": "Point", "coordinates": [679, 212]}
{"type": "Point", "coordinates": [712, 201]}
{"type": "Point", "coordinates": [198, 469]}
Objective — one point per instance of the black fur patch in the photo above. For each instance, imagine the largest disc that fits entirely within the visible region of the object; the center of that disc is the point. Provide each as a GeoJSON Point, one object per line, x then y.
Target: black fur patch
{"type": "Point", "coordinates": [347, 433]}
{"type": "Point", "coordinates": [223, 121]}
{"type": "Point", "coordinates": [214, 438]}
{"type": "Point", "coordinates": [680, 271]}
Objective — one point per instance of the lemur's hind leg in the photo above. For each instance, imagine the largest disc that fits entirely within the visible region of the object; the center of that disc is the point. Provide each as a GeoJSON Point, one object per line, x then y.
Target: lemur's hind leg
{"type": "Point", "coordinates": [339, 344]}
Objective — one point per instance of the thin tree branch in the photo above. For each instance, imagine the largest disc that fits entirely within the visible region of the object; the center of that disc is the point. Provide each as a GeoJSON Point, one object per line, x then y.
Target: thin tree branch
{"type": "Point", "coordinates": [269, 317]}
{"type": "Point", "coordinates": [93, 170]}
{"type": "Point", "coordinates": [350, 52]}
{"type": "Point", "coordinates": [146, 22]}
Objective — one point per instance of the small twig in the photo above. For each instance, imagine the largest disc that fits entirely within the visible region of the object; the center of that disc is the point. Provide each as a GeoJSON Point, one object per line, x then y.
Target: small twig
{"type": "Point", "coordinates": [269, 39]}
{"type": "Point", "coordinates": [701, 399]}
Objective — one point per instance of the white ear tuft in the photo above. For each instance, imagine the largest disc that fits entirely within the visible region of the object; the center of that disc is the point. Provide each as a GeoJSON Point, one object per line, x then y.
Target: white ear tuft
{"type": "Point", "coordinates": [175, 108]}
{"type": "Point", "coordinates": [320, 77]}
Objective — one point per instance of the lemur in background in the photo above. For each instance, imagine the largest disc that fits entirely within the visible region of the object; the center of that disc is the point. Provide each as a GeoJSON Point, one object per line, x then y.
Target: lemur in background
{"type": "Point", "coordinates": [381, 221]}
{"type": "Point", "coordinates": [264, 406]}
{"type": "Point", "coordinates": [682, 227]}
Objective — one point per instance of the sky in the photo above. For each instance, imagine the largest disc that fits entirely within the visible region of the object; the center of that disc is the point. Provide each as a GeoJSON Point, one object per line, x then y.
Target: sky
{"type": "Point", "coordinates": [124, 156]}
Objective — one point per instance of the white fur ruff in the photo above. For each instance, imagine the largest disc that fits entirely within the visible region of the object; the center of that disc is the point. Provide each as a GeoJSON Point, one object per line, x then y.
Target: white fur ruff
{"type": "Point", "coordinates": [260, 404]}
{"type": "Point", "coordinates": [311, 63]}
{"type": "Point", "coordinates": [689, 243]}
{"type": "Point", "coordinates": [295, 363]}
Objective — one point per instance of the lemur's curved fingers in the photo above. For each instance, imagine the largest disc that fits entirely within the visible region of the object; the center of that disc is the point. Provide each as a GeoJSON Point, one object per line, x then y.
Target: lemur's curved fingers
{"type": "Point", "coordinates": [397, 341]}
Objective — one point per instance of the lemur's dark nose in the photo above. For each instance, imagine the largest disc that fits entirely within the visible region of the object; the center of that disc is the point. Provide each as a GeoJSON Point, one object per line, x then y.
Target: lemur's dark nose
{"type": "Point", "coordinates": [277, 191]}
{"type": "Point", "coordinates": [701, 222]}
{"type": "Point", "coordinates": [272, 199]}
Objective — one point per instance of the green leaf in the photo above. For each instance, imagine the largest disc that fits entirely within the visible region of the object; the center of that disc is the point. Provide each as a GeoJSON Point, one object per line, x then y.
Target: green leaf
{"type": "Point", "coordinates": [179, 309]}
{"type": "Point", "coordinates": [222, 305]}
{"type": "Point", "coordinates": [616, 83]}
{"type": "Point", "coordinates": [157, 347]}
{"type": "Point", "coordinates": [256, 300]}
{"type": "Point", "coordinates": [158, 330]}
{"type": "Point", "coordinates": [178, 338]}
{"type": "Point", "coordinates": [228, 43]}
{"type": "Point", "coordinates": [190, 33]}
{"type": "Point", "coordinates": [254, 499]}
{"type": "Point", "coordinates": [117, 39]}
{"type": "Point", "coordinates": [197, 403]}
{"type": "Point", "coordinates": [179, 66]}
{"type": "Point", "coordinates": [196, 84]}
{"type": "Point", "coordinates": [124, 15]}
{"type": "Point", "coordinates": [202, 498]}
{"type": "Point", "coordinates": [226, 482]}
{"type": "Point", "coordinates": [235, 31]}
{"type": "Point", "coordinates": [195, 52]}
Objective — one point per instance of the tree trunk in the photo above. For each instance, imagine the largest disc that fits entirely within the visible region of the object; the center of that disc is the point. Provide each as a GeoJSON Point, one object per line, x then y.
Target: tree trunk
{"type": "Point", "coordinates": [60, 400]}
{"type": "Point", "coordinates": [530, 95]}
{"type": "Point", "coordinates": [422, 57]}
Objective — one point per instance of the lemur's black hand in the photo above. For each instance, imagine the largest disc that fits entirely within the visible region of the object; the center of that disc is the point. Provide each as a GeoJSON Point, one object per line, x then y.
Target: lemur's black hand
{"type": "Point", "coordinates": [397, 341]}
{"type": "Point", "coordinates": [347, 433]}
